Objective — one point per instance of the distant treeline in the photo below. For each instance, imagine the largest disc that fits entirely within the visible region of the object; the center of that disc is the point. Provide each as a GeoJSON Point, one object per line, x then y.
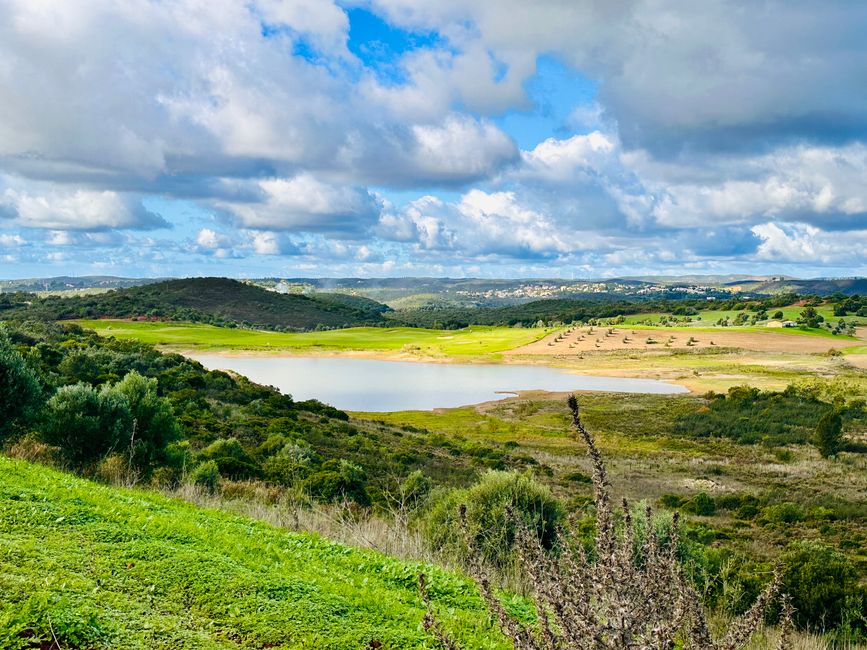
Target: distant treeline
{"type": "Point", "coordinates": [570, 310]}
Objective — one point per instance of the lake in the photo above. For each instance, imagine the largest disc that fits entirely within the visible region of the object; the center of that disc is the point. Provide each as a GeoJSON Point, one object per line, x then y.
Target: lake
{"type": "Point", "coordinates": [369, 385]}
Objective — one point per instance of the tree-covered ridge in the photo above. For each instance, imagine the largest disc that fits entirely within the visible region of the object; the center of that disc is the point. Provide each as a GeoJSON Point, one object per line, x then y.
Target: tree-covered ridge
{"type": "Point", "coordinates": [219, 301]}
{"type": "Point", "coordinates": [92, 401]}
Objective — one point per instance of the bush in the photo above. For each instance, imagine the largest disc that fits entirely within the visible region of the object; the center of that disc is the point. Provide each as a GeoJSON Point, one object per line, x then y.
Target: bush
{"type": "Point", "coordinates": [488, 522]}
{"type": "Point", "coordinates": [206, 475]}
{"type": "Point", "coordinates": [336, 480]}
{"type": "Point", "coordinates": [86, 424]}
{"type": "Point", "coordinates": [829, 434]}
{"type": "Point", "coordinates": [701, 504]}
{"type": "Point", "coordinates": [821, 581]}
{"type": "Point", "coordinates": [231, 459]}
{"type": "Point", "coordinates": [19, 388]}
{"type": "Point", "coordinates": [783, 513]}
{"type": "Point", "coordinates": [155, 424]}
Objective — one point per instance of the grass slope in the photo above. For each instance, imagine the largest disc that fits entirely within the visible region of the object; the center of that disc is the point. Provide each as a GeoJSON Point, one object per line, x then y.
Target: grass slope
{"type": "Point", "coordinates": [212, 300]}
{"type": "Point", "coordinates": [469, 341]}
{"type": "Point", "coordinates": [111, 568]}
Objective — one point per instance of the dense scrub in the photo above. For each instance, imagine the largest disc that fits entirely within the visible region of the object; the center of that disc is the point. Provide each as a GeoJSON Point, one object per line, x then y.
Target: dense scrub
{"type": "Point", "coordinates": [93, 400]}
{"type": "Point", "coordinates": [750, 415]}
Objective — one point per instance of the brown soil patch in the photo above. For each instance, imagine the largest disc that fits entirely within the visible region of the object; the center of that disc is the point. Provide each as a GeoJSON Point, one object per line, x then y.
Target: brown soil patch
{"type": "Point", "coordinates": [579, 340]}
{"type": "Point", "coordinates": [857, 360]}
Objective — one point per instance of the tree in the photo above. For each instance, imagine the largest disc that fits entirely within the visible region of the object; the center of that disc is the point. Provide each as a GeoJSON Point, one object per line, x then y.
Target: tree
{"type": "Point", "coordinates": [810, 317]}
{"type": "Point", "coordinates": [85, 423]}
{"type": "Point", "coordinates": [155, 423]}
{"type": "Point", "coordinates": [829, 434]}
{"type": "Point", "coordinates": [821, 581]}
{"type": "Point", "coordinates": [19, 388]}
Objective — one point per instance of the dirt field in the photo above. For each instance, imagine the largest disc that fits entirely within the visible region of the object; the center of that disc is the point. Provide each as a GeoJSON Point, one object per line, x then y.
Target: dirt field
{"type": "Point", "coordinates": [577, 340]}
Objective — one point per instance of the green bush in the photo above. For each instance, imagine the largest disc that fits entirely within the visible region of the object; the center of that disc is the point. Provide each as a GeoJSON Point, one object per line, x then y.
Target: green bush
{"type": "Point", "coordinates": [19, 388]}
{"type": "Point", "coordinates": [783, 513]}
{"type": "Point", "coordinates": [85, 423]}
{"type": "Point", "coordinates": [829, 434]}
{"type": "Point", "coordinates": [231, 458]}
{"type": "Point", "coordinates": [488, 522]}
{"type": "Point", "coordinates": [206, 475]}
{"type": "Point", "coordinates": [701, 504]}
{"type": "Point", "coordinates": [336, 480]}
{"type": "Point", "coordinates": [155, 423]}
{"type": "Point", "coordinates": [822, 582]}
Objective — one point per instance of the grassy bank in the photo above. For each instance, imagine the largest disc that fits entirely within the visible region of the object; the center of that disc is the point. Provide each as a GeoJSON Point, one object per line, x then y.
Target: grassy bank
{"type": "Point", "coordinates": [465, 342]}
{"type": "Point", "coordinates": [101, 567]}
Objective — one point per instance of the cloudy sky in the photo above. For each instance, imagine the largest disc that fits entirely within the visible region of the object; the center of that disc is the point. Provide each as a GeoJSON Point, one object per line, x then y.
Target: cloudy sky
{"type": "Point", "coordinates": [504, 138]}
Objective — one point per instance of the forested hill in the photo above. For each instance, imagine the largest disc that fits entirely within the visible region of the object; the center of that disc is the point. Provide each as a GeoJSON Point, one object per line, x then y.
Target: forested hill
{"type": "Point", "coordinates": [219, 301]}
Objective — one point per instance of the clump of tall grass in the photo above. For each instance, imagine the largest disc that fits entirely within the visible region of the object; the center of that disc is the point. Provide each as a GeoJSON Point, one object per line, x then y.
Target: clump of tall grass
{"type": "Point", "coordinates": [629, 592]}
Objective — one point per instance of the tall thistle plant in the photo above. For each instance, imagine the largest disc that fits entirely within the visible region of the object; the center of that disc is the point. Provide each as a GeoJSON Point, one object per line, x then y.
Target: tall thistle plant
{"type": "Point", "coordinates": [632, 594]}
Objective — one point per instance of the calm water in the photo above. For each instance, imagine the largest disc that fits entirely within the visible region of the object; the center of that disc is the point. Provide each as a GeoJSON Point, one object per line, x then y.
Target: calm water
{"type": "Point", "coordinates": [368, 385]}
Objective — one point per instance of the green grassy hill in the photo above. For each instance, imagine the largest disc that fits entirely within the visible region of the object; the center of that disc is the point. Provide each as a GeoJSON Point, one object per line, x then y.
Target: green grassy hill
{"type": "Point", "coordinates": [101, 567]}
{"type": "Point", "coordinates": [213, 300]}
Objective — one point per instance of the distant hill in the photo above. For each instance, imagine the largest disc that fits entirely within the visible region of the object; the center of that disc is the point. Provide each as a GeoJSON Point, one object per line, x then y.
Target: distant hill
{"type": "Point", "coordinates": [219, 301]}
{"type": "Point", "coordinates": [70, 283]}
{"type": "Point", "coordinates": [819, 286]}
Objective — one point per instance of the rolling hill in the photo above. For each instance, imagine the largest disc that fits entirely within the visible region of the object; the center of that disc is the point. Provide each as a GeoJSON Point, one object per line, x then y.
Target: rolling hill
{"type": "Point", "coordinates": [220, 301]}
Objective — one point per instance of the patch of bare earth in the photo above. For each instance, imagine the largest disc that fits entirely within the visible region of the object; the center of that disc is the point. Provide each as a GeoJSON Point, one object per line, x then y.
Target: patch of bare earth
{"type": "Point", "coordinates": [579, 340]}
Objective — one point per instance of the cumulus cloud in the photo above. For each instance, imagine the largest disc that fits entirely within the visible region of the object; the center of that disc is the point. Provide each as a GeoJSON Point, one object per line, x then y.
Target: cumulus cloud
{"type": "Point", "coordinates": [711, 75]}
{"type": "Point", "coordinates": [305, 203]}
{"type": "Point", "coordinates": [77, 210]}
{"type": "Point", "coordinates": [720, 132]}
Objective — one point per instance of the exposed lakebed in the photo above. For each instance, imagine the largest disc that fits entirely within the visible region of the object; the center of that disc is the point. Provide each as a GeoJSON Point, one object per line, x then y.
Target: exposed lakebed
{"type": "Point", "coordinates": [371, 385]}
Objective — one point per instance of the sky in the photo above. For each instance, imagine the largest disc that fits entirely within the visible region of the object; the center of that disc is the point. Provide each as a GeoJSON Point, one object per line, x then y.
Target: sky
{"type": "Point", "coordinates": [481, 138]}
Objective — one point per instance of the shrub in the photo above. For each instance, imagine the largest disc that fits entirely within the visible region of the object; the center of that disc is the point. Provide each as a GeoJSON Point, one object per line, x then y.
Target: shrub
{"type": "Point", "coordinates": [206, 475]}
{"type": "Point", "coordinates": [829, 434]}
{"type": "Point", "coordinates": [86, 424]}
{"type": "Point", "coordinates": [783, 513]}
{"type": "Point", "coordinates": [701, 504]}
{"type": "Point", "coordinates": [19, 388]}
{"type": "Point", "coordinates": [820, 580]}
{"type": "Point", "coordinates": [155, 424]}
{"type": "Point", "coordinates": [231, 458]}
{"type": "Point", "coordinates": [494, 508]}
{"type": "Point", "coordinates": [337, 480]}
{"type": "Point", "coordinates": [631, 592]}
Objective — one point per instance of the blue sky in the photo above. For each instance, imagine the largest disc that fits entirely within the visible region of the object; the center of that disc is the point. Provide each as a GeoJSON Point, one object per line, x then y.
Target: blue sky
{"type": "Point", "coordinates": [411, 137]}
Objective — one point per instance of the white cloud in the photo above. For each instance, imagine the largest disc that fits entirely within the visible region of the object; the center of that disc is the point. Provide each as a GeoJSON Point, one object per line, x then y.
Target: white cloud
{"type": "Point", "coordinates": [61, 209]}
{"type": "Point", "coordinates": [306, 204]}
{"type": "Point", "coordinates": [9, 241]}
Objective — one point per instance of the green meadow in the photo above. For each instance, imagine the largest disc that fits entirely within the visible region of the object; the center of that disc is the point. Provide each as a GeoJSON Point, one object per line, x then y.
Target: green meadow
{"type": "Point", "coordinates": [708, 317]}
{"type": "Point", "coordinates": [96, 566]}
{"type": "Point", "coordinates": [476, 340]}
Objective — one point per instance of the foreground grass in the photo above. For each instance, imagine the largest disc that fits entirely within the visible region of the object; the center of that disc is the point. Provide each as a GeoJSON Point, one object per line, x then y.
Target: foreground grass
{"type": "Point", "coordinates": [107, 568]}
{"type": "Point", "coordinates": [474, 340]}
